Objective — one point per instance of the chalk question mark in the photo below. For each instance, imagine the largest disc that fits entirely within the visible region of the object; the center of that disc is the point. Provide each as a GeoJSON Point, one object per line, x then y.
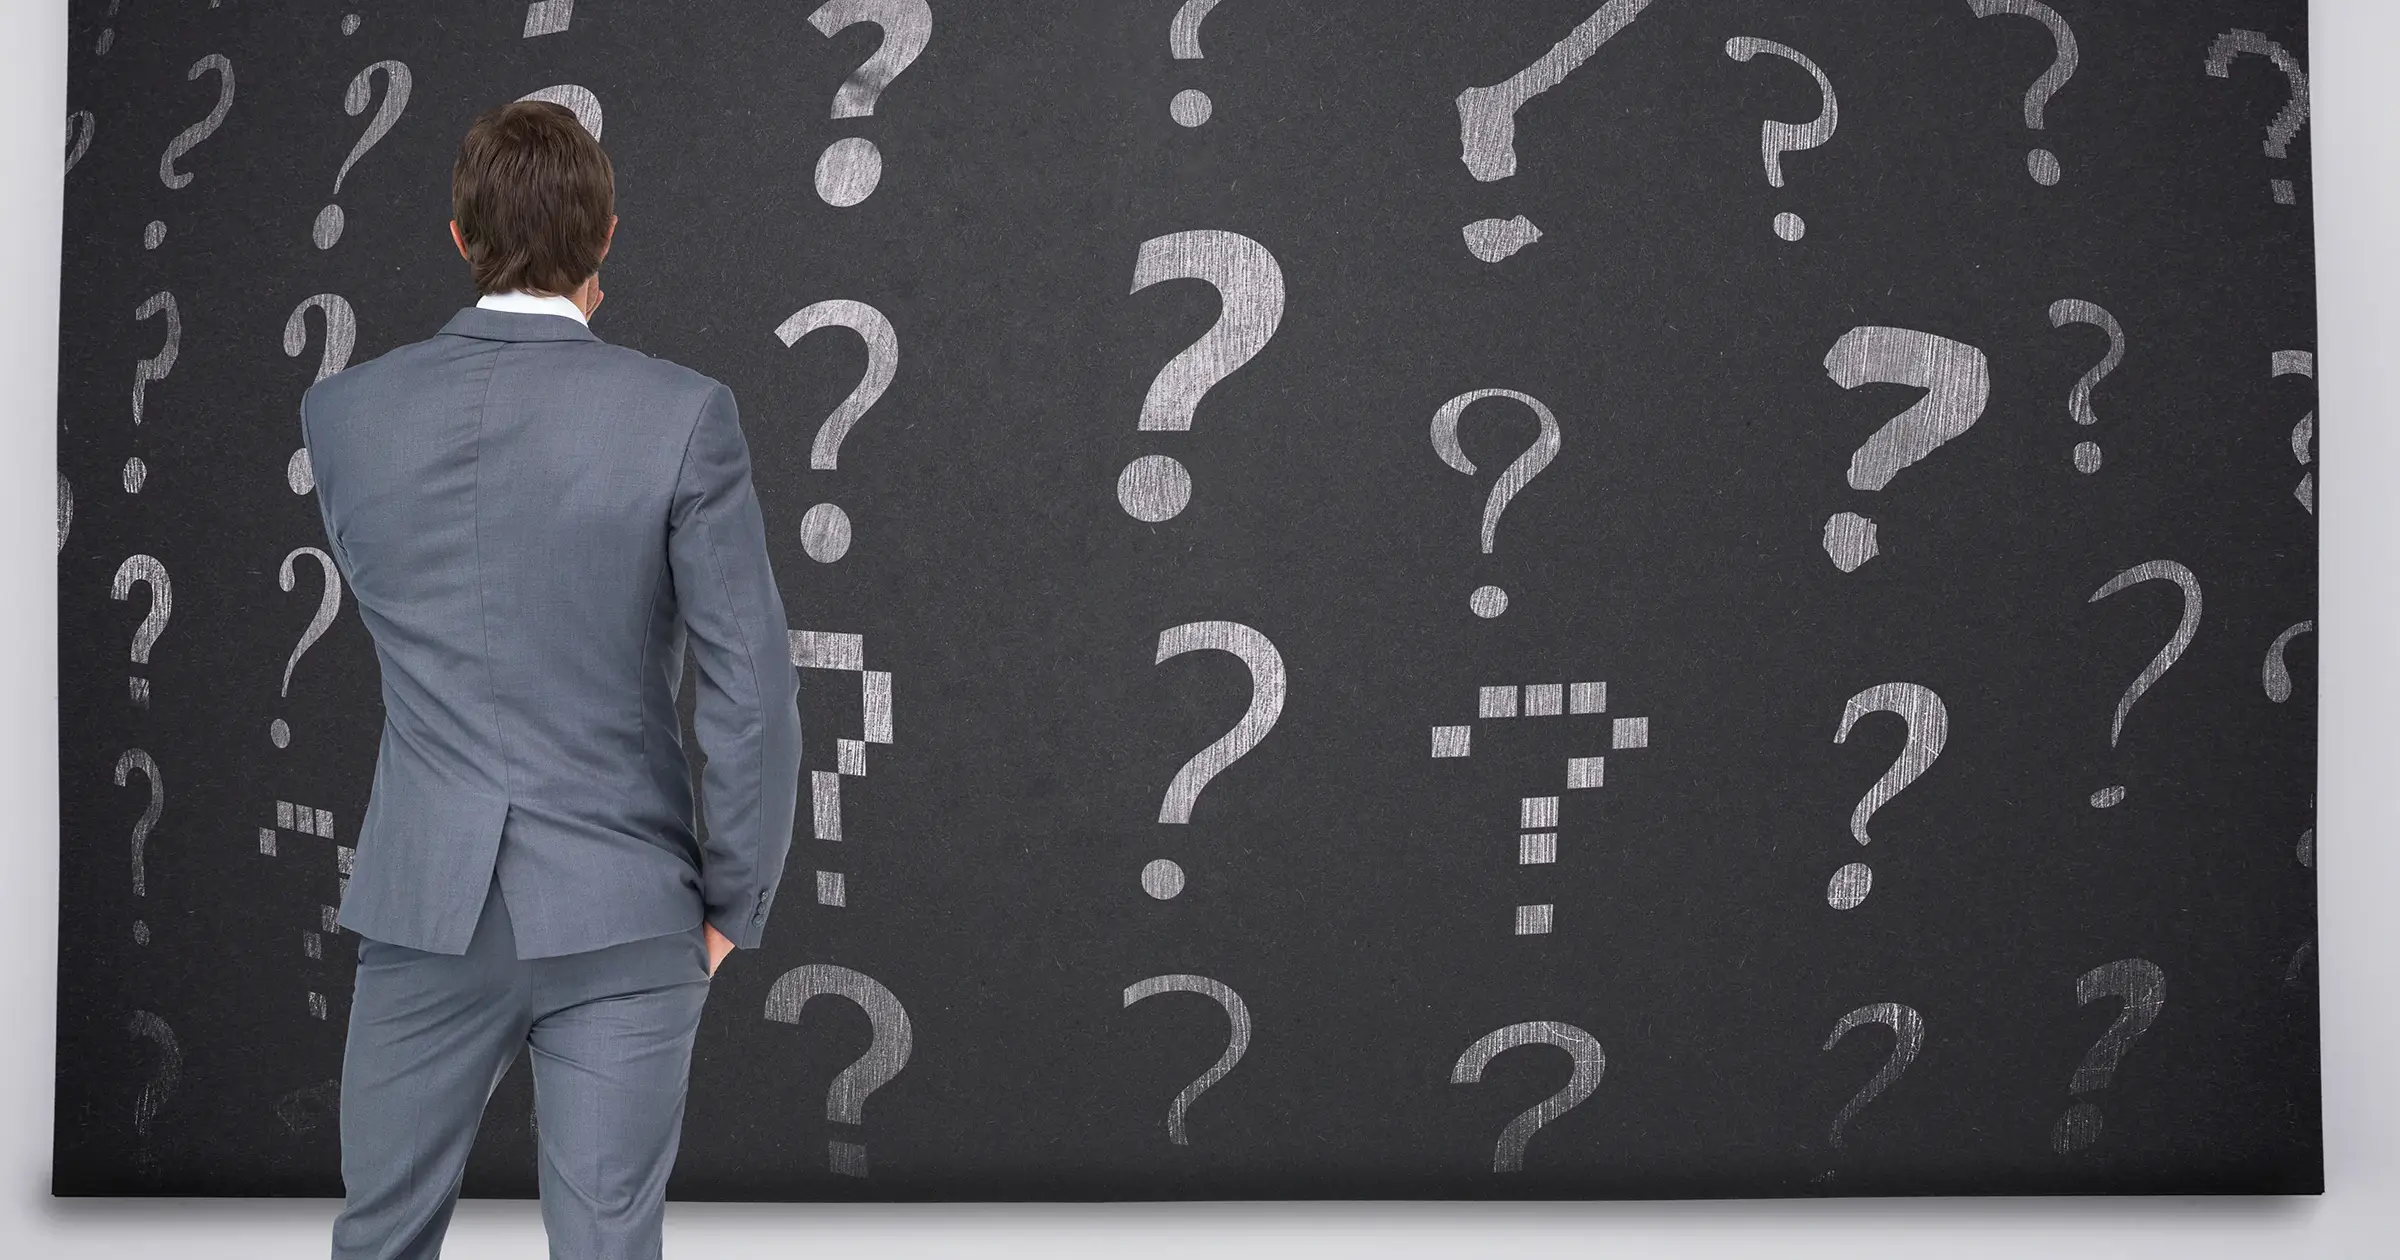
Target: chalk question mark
{"type": "Point", "coordinates": [2304, 434]}
{"type": "Point", "coordinates": [108, 34]}
{"type": "Point", "coordinates": [2151, 571]}
{"type": "Point", "coordinates": [134, 759]}
{"type": "Point", "coordinates": [1237, 1042]}
{"type": "Point", "coordinates": [1508, 1154]}
{"type": "Point", "coordinates": [81, 127]}
{"type": "Point", "coordinates": [887, 1047]}
{"type": "Point", "coordinates": [2273, 674]}
{"type": "Point", "coordinates": [329, 606]}
{"type": "Point", "coordinates": [825, 530]}
{"type": "Point", "coordinates": [396, 83]}
{"type": "Point", "coordinates": [191, 136]}
{"type": "Point", "coordinates": [1191, 106]}
{"type": "Point", "coordinates": [1778, 138]}
{"type": "Point", "coordinates": [1162, 878]}
{"type": "Point", "coordinates": [154, 368]}
{"type": "Point", "coordinates": [1956, 379]}
{"type": "Point", "coordinates": [2144, 990]}
{"type": "Point", "coordinates": [547, 17]}
{"type": "Point", "coordinates": [2079, 402]}
{"type": "Point", "coordinates": [2042, 164]}
{"type": "Point", "coordinates": [143, 1025]}
{"type": "Point", "coordinates": [577, 100]}
{"type": "Point", "coordinates": [1928, 722]}
{"type": "Point", "coordinates": [1491, 601]}
{"type": "Point", "coordinates": [148, 571]}
{"type": "Point", "coordinates": [1908, 1037]}
{"type": "Point", "coordinates": [850, 168]}
{"type": "Point", "coordinates": [341, 335]}
{"type": "Point", "coordinates": [1249, 284]}
{"type": "Point", "coordinates": [66, 511]}
{"type": "Point", "coordinates": [1487, 121]}
{"type": "Point", "coordinates": [2291, 117]}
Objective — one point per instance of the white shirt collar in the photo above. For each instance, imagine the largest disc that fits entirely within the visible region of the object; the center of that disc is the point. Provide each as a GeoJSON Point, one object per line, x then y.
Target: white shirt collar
{"type": "Point", "coordinates": [519, 302]}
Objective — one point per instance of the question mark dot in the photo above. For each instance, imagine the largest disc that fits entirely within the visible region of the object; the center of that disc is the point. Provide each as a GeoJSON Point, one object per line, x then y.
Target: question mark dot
{"type": "Point", "coordinates": [2042, 164]}
{"type": "Point", "coordinates": [848, 170]}
{"type": "Point", "coordinates": [349, 24]}
{"type": "Point", "coordinates": [1154, 488]}
{"type": "Point", "coordinates": [299, 473]}
{"type": "Point", "coordinates": [1488, 602]}
{"type": "Point", "coordinates": [2078, 1128]}
{"type": "Point", "coordinates": [1191, 107]}
{"type": "Point", "coordinates": [1162, 879]}
{"type": "Point", "coordinates": [136, 472]}
{"type": "Point", "coordinates": [2108, 796]}
{"type": "Point", "coordinates": [1849, 540]}
{"type": "Point", "coordinates": [2282, 191]}
{"type": "Point", "coordinates": [141, 932]}
{"type": "Point", "coordinates": [2087, 457]}
{"type": "Point", "coordinates": [280, 734]}
{"type": "Point", "coordinates": [1790, 226]}
{"type": "Point", "coordinates": [825, 533]}
{"type": "Point", "coordinates": [1849, 886]}
{"type": "Point", "coordinates": [154, 234]}
{"type": "Point", "coordinates": [328, 227]}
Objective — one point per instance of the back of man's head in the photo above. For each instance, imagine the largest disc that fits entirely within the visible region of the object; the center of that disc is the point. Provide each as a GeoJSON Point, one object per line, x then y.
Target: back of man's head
{"type": "Point", "coordinates": [533, 195]}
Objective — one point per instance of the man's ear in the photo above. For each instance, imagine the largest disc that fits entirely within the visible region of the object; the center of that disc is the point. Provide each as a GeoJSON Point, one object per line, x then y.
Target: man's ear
{"type": "Point", "coordinates": [459, 238]}
{"type": "Point", "coordinates": [609, 239]}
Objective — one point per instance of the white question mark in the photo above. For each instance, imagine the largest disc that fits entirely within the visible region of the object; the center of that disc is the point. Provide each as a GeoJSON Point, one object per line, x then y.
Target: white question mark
{"type": "Point", "coordinates": [2151, 571]}
{"type": "Point", "coordinates": [850, 168]}
{"type": "Point", "coordinates": [1191, 106]}
{"type": "Point", "coordinates": [146, 570]}
{"type": "Point", "coordinates": [2294, 113]}
{"type": "Point", "coordinates": [1491, 601]}
{"type": "Point", "coordinates": [341, 335]}
{"type": "Point", "coordinates": [2067, 311]}
{"type": "Point", "coordinates": [1249, 283]}
{"type": "Point", "coordinates": [191, 136]}
{"type": "Point", "coordinates": [2273, 674]}
{"type": "Point", "coordinates": [108, 34]}
{"type": "Point", "coordinates": [1956, 379]}
{"type": "Point", "coordinates": [578, 101]}
{"type": "Point", "coordinates": [134, 759]}
{"type": "Point", "coordinates": [887, 1048]}
{"type": "Point", "coordinates": [2144, 989]}
{"type": "Point", "coordinates": [1508, 1155]}
{"type": "Point", "coordinates": [396, 83]}
{"type": "Point", "coordinates": [329, 606]}
{"type": "Point", "coordinates": [825, 530]}
{"type": "Point", "coordinates": [66, 511]}
{"type": "Point", "coordinates": [1162, 878]}
{"type": "Point", "coordinates": [547, 17]}
{"type": "Point", "coordinates": [2042, 164]}
{"type": "Point", "coordinates": [81, 127]}
{"type": "Point", "coordinates": [1908, 1037]}
{"type": "Point", "coordinates": [2304, 434]}
{"type": "Point", "coordinates": [1237, 1042]}
{"type": "Point", "coordinates": [1928, 722]}
{"type": "Point", "coordinates": [161, 1085]}
{"type": "Point", "coordinates": [1778, 138]}
{"type": "Point", "coordinates": [154, 368]}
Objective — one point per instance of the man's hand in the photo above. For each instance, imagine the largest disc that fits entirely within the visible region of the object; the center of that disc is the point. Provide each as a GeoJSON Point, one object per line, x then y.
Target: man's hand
{"type": "Point", "coordinates": [719, 945]}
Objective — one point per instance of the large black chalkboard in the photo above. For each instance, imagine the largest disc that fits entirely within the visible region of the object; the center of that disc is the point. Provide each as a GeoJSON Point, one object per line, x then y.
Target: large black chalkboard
{"type": "Point", "coordinates": [1710, 386]}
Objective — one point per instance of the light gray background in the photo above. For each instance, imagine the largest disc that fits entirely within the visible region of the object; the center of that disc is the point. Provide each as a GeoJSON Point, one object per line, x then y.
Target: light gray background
{"type": "Point", "coordinates": [2355, 135]}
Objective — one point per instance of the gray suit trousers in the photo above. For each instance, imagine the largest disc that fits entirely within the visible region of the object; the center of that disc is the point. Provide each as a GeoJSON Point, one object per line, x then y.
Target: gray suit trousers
{"type": "Point", "coordinates": [431, 1035]}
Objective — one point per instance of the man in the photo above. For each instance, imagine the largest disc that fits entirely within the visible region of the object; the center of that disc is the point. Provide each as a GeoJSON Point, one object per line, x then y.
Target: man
{"type": "Point", "coordinates": [534, 524]}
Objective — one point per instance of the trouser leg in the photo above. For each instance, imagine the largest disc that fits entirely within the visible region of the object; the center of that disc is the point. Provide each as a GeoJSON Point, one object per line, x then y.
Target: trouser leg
{"type": "Point", "coordinates": [430, 1037]}
{"type": "Point", "coordinates": [611, 1041]}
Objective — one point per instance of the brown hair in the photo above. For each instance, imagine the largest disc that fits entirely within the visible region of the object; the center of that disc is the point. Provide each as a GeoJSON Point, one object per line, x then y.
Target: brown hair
{"type": "Point", "coordinates": [532, 193]}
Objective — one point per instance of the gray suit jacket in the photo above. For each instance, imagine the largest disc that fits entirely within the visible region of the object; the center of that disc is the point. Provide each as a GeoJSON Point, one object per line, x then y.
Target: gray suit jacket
{"type": "Point", "coordinates": [531, 520]}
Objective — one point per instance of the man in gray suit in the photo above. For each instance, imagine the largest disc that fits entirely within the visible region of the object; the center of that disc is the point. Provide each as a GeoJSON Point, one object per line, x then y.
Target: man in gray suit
{"type": "Point", "coordinates": [535, 524]}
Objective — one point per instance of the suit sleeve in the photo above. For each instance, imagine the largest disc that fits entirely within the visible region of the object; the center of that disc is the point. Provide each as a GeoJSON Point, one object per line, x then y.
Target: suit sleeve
{"type": "Point", "coordinates": [747, 713]}
{"type": "Point", "coordinates": [333, 539]}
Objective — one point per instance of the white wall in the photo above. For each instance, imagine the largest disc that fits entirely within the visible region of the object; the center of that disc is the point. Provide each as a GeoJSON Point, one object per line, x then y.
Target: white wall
{"type": "Point", "coordinates": [2355, 133]}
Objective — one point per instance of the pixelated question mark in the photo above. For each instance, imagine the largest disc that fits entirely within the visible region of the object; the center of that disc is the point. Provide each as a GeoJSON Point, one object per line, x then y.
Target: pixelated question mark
{"type": "Point", "coordinates": [1928, 722]}
{"type": "Point", "coordinates": [2144, 989]}
{"type": "Point", "coordinates": [2042, 164]}
{"type": "Point", "coordinates": [154, 368]}
{"type": "Point", "coordinates": [396, 83]}
{"type": "Point", "coordinates": [887, 1047]}
{"type": "Point", "coordinates": [1956, 379]}
{"type": "Point", "coordinates": [2294, 113]}
{"type": "Point", "coordinates": [1508, 1154]}
{"type": "Point", "coordinates": [2150, 571]}
{"type": "Point", "coordinates": [148, 571]}
{"type": "Point", "coordinates": [1191, 106]}
{"type": "Point", "coordinates": [825, 530]}
{"type": "Point", "coordinates": [1491, 601]}
{"type": "Point", "coordinates": [2067, 311]}
{"type": "Point", "coordinates": [341, 335]}
{"type": "Point", "coordinates": [1778, 138]}
{"type": "Point", "coordinates": [2273, 674]}
{"type": "Point", "coordinates": [81, 127]}
{"type": "Point", "coordinates": [1487, 121]}
{"type": "Point", "coordinates": [2304, 434]}
{"type": "Point", "coordinates": [329, 606]}
{"type": "Point", "coordinates": [1162, 878]}
{"type": "Point", "coordinates": [850, 168]}
{"type": "Point", "coordinates": [576, 99]}
{"type": "Point", "coordinates": [1908, 1037]}
{"type": "Point", "coordinates": [1237, 1042]}
{"type": "Point", "coordinates": [143, 1025]}
{"type": "Point", "coordinates": [1249, 284]}
{"type": "Point", "coordinates": [134, 759]}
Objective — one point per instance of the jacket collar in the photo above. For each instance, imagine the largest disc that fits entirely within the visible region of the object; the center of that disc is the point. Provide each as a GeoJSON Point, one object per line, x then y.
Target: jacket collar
{"type": "Point", "coordinates": [490, 325]}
